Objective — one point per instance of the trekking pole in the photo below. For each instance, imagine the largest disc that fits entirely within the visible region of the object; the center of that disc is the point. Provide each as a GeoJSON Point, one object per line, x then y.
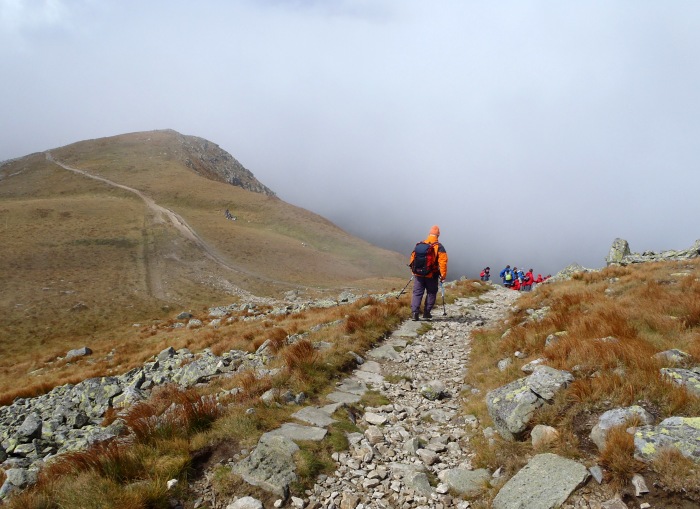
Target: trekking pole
{"type": "Point", "coordinates": [442, 285]}
{"type": "Point", "coordinates": [404, 288]}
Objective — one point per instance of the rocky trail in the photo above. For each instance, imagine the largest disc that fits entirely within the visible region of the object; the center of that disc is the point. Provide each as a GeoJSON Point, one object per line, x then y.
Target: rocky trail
{"type": "Point", "coordinates": [413, 451]}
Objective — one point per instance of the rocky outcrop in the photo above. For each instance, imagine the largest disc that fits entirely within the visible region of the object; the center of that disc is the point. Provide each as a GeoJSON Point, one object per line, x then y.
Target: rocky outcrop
{"type": "Point", "coordinates": [69, 417]}
{"type": "Point", "coordinates": [512, 406]}
{"type": "Point", "coordinates": [569, 272]}
{"type": "Point", "coordinates": [211, 161]}
{"type": "Point", "coordinates": [620, 254]}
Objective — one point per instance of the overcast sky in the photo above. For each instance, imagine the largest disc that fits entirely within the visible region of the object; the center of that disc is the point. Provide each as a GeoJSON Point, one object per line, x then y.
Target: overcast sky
{"type": "Point", "coordinates": [532, 132]}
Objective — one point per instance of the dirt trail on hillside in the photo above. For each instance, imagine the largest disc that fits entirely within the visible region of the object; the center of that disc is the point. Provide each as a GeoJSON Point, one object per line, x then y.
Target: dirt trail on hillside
{"type": "Point", "coordinates": [162, 215]}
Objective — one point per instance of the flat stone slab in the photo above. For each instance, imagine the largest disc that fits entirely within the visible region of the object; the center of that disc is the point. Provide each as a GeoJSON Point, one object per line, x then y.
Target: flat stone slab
{"type": "Point", "coordinates": [466, 482]}
{"type": "Point", "coordinates": [343, 397]}
{"type": "Point", "coordinates": [368, 377]}
{"type": "Point", "coordinates": [352, 386]}
{"type": "Point", "coordinates": [408, 329]}
{"type": "Point", "coordinates": [271, 465]}
{"type": "Point", "coordinates": [371, 367]}
{"type": "Point", "coordinates": [385, 352]}
{"type": "Point", "coordinates": [544, 483]}
{"type": "Point", "coordinates": [400, 342]}
{"type": "Point", "coordinates": [298, 432]}
{"type": "Point", "coordinates": [331, 408]}
{"type": "Point", "coordinates": [314, 415]}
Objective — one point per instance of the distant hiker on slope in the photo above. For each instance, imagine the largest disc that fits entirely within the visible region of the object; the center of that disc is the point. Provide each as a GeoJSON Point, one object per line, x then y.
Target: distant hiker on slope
{"type": "Point", "coordinates": [507, 276]}
{"type": "Point", "coordinates": [485, 274]}
{"type": "Point", "coordinates": [429, 266]}
{"type": "Point", "coordinates": [528, 281]}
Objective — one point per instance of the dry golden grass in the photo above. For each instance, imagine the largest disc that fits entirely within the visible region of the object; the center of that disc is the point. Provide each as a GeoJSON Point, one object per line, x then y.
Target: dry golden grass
{"type": "Point", "coordinates": [618, 456]}
{"type": "Point", "coordinates": [677, 473]}
{"type": "Point", "coordinates": [300, 356]}
{"type": "Point", "coordinates": [81, 261]}
{"type": "Point", "coordinates": [615, 321]}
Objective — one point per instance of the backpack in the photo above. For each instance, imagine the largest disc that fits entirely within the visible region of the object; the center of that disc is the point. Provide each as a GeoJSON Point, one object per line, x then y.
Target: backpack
{"type": "Point", "coordinates": [509, 276]}
{"type": "Point", "coordinates": [424, 260]}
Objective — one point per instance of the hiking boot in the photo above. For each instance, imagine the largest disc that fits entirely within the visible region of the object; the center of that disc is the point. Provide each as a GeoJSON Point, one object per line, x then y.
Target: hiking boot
{"type": "Point", "coordinates": [415, 316]}
{"type": "Point", "coordinates": [427, 315]}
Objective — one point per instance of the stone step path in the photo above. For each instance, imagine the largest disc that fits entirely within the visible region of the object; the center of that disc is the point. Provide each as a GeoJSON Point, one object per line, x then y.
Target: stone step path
{"type": "Point", "coordinates": [419, 435]}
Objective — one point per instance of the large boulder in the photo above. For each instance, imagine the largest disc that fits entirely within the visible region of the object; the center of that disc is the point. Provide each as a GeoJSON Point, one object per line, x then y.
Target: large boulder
{"type": "Point", "coordinates": [618, 251]}
{"type": "Point", "coordinates": [512, 406]}
{"type": "Point", "coordinates": [544, 483]}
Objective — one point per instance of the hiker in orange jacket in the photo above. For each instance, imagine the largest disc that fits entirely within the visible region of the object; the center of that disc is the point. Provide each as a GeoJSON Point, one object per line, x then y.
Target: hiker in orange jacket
{"type": "Point", "coordinates": [429, 266]}
{"type": "Point", "coordinates": [528, 281]}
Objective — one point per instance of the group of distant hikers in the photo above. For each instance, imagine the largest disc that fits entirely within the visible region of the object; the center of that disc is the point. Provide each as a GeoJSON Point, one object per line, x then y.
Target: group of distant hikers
{"type": "Point", "coordinates": [515, 279]}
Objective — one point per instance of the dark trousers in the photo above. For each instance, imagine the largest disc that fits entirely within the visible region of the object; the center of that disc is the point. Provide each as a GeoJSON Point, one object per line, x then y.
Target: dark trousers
{"type": "Point", "coordinates": [422, 285]}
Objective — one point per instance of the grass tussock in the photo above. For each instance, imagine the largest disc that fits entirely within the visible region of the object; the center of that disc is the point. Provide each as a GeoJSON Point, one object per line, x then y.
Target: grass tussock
{"type": "Point", "coordinates": [170, 413]}
{"type": "Point", "coordinates": [618, 456]}
{"type": "Point", "coordinates": [300, 356]}
{"type": "Point", "coordinates": [677, 473]}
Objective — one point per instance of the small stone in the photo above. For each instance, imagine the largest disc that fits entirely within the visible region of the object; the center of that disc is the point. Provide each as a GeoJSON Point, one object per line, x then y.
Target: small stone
{"type": "Point", "coordinates": [442, 488]}
{"type": "Point", "coordinates": [375, 419]}
{"type": "Point", "coordinates": [640, 486]}
{"type": "Point", "coordinates": [597, 473]}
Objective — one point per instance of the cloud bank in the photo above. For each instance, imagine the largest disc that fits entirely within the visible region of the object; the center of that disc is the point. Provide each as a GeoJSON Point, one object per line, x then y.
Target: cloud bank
{"type": "Point", "coordinates": [532, 132]}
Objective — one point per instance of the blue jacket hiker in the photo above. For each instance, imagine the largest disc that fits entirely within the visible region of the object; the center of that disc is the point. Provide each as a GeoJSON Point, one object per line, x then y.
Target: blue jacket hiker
{"type": "Point", "coordinates": [507, 276]}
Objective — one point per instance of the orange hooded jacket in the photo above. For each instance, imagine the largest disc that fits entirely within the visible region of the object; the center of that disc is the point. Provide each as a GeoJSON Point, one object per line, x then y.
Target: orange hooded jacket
{"type": "Point", "coordinates": [441, 256]}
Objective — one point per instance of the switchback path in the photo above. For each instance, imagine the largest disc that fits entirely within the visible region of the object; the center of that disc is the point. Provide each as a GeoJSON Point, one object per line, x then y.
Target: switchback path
{"type": "Point", "coordinates": [164, 215]}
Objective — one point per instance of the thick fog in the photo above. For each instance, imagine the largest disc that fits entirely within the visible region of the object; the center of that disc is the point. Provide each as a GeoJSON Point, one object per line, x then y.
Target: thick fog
{"type": "Point", "coordinates": [533, 133]}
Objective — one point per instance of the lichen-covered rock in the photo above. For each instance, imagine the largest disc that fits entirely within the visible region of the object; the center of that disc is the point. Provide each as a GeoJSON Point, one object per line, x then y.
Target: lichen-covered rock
{"type": "Point", "coordinates": [617, 417]}
{"type": "Point", "coordinates": [433, 390]}
{"type": "Point", "coordinates": [546, 381]}
{"type": "Point", "coordinates": [271, 465]}
{"type": "Point", "coordinates": [511, 407]}
{"type": "Point", "coordinates": [618, 251]}
{"type": "Point", "coordinates": [682, 433]}
{"type": "Point", "coordinates": [672, 356]}
{"type": "Point", "coordinates": [688, 378]}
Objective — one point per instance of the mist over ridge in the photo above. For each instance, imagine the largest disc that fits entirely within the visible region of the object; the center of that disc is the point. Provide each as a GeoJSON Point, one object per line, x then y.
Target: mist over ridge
{"type": "Point", "coordinates": [533, 136]}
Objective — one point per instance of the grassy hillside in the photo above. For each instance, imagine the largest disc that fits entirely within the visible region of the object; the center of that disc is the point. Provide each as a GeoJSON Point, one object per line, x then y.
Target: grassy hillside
{"type": "Point", "coordinates": [82, 260]}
